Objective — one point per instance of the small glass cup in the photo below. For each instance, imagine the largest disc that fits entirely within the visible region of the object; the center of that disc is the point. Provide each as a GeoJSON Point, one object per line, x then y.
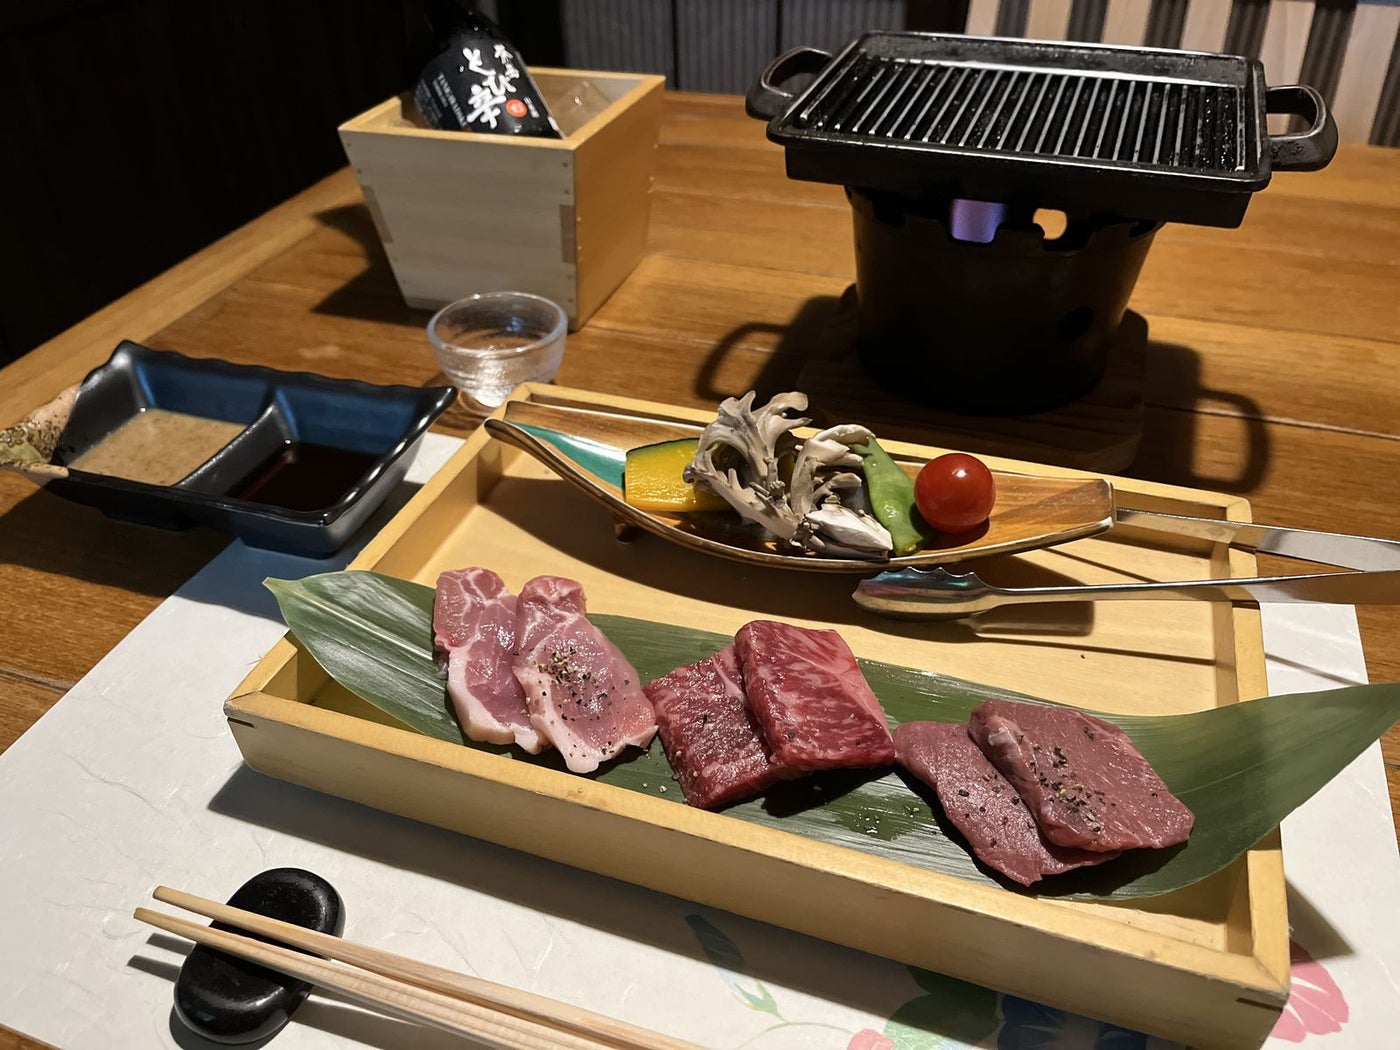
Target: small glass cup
{"type": "Point", "coordinates": [488, 344]}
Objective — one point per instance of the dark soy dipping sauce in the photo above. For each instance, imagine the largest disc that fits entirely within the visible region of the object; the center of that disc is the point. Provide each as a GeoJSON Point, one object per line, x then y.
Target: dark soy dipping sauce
{"type": "Point", "coordinates": [302, 475]}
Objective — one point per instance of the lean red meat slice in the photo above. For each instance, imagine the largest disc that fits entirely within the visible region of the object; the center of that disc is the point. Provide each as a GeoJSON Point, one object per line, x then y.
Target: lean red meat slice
{"type": "Point", "coordinates": [811, 702]}
{"type": "Point", "coordinates": [1081, 777]}
{"type": "Point", "coordinates": [982, 804]}
{"type": "Point", "coordinates": [474, 638]}
{"type": "Point", "coordinates": [711, 739]}
{"type": "Point", "coordinates": [581, 692]}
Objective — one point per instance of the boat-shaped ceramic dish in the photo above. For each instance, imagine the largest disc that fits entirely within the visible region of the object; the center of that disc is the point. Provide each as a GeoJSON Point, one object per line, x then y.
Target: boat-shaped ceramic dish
{"type": "Point", "coordinates": [587, 446]}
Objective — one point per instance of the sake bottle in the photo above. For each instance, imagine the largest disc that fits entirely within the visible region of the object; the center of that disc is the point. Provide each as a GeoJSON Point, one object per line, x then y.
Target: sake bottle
{"type": "Point", "coordinates": [479, 82]}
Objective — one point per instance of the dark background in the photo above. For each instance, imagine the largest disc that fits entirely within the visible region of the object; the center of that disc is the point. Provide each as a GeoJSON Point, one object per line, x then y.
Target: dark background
{"type": "Point", "coordinates": [140, 131]}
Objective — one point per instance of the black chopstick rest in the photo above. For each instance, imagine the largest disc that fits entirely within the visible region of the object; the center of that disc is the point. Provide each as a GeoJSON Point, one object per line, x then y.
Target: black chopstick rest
{"type": "Point", "coordinates": [229, 1000]}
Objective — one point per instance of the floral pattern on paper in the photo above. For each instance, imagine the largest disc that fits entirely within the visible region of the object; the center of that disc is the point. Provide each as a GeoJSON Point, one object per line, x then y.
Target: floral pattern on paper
{"type": "Point", "coordinates": [728, 960]}
{"type": "Point", "coordinates": [1031, 1026]}
{"type": "Point", "coordinates": [725, 956]}
{"type": "Point", "coordinates": [951, 1014]}
{"type": "Point", "coordinates": [869, 1039]}
{"type": "Point", "coordinates": [1316, 1006]}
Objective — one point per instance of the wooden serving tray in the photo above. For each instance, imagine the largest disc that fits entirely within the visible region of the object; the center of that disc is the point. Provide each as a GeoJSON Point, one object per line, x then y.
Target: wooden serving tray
{"type": "Point", "coordinates": [1207, 965]}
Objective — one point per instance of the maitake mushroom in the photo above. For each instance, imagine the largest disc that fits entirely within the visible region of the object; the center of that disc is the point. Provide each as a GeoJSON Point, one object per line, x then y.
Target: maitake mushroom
{"type": "Point", "coordinates": [738, 456]}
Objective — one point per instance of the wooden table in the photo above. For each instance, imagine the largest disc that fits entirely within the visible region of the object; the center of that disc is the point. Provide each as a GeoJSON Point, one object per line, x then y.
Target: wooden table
{"type": "Point", "coordinates": [1273, 369]}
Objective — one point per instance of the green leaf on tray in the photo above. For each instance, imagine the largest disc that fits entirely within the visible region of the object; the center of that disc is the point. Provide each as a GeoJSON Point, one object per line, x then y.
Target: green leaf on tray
{"type": "Point", "coordinates": [1241, 768]}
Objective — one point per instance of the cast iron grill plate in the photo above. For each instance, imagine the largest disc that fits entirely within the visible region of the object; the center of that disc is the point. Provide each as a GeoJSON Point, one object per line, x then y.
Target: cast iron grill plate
{"type": "Point", "coordinates": [1170, 124]}
{"type": "Point", "coordinates": [1090, 129]}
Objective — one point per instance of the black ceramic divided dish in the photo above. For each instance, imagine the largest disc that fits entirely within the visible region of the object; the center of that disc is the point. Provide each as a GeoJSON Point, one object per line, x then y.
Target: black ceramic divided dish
{"type": "Point", "coordinates": [364, 435]}
{"type": "Point", "coordinates": [231, 1000]}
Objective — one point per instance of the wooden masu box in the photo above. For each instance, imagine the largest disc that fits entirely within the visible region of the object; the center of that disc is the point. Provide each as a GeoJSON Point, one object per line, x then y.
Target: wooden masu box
{"type": "Point", "coordinates": [460, 213]}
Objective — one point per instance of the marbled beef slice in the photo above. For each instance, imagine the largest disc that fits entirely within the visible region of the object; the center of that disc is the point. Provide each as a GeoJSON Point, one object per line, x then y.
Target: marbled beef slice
{"type": "Point", "coordinates": [814, 707]}
{"type": "Point", "coordinates": [1081, 777]}
{"type": "Point", "coordinates": [710, 737]}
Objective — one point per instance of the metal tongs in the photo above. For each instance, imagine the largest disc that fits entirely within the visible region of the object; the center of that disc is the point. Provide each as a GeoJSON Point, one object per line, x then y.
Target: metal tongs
{"type": "Point", "coordinates": [937, 594]}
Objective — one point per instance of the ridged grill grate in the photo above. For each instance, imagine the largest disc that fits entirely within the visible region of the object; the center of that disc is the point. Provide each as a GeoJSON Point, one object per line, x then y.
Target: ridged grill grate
{"type": "Point", "coordinates": [1166, 124]}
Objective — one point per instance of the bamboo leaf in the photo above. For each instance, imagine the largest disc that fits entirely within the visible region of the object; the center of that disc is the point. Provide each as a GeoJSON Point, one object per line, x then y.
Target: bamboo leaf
{"type": "Point", "coordinates": [375, 637]}
{"type": "Point", "coordinates": [1241, 768]}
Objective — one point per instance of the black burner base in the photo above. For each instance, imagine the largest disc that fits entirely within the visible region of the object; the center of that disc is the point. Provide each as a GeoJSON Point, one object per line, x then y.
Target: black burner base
{"type": "Point", "coordinates": [1100, 431]}
{"type": "Point", "coordinates": [1015, 325]}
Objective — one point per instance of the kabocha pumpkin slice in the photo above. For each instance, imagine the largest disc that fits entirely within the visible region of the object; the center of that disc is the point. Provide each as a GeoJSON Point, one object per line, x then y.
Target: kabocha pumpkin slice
{"type": "Point", "coordinates": [652, 479]}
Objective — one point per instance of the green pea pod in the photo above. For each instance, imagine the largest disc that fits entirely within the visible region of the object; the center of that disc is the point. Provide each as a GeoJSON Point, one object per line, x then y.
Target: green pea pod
{"type": "Point", "coordinates": [892, 498]}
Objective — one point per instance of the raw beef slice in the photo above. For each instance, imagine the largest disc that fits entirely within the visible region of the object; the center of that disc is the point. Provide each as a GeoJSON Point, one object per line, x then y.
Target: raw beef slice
{"type": "Point", "coordinates": [1081, 777]}
{"type": "Point", "coordinates": [982, 804]}
{"type": "Point", "coordinates": [474, 637]}
{"type": "Point", "coordinates": [711, 739]}
{"type": "Point", "coordinates": [581, 692]}
{"type": "Point", "coordinates": [814, 707]}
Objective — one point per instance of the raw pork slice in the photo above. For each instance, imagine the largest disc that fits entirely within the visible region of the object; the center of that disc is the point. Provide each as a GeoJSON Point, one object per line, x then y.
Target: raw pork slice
{"type": "Point", "coordinates": [474, 637]}
{"type": "Point", "coordinates": [1081, 777]}
{"type": "Point", "coordinates": [810, 700]}
{"type": "Point", "coordinates": [710, 737]}
{"type": "Point", "coordinates": [982, 804]}
{"type": "Point", "coordinates": [581, 692]}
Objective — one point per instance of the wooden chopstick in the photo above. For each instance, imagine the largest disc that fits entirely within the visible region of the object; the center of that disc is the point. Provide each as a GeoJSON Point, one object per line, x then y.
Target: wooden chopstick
{"type": "Point", "coordinates": [445, 993]}
{"type": "Point", "coordinates": [502, 1031]}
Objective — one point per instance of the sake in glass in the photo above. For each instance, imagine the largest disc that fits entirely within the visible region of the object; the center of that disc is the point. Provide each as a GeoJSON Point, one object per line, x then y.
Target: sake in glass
{"type": "Point", "coordinates": [490, 343]}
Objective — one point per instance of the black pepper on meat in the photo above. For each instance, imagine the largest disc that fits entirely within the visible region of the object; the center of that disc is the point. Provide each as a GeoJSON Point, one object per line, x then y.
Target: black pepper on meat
{"type": "Point", "coordinates": [1080, 777]}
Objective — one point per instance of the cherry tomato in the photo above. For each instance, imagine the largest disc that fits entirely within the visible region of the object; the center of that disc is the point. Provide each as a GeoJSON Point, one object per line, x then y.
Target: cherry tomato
{"type": "Point", "coordinates": [955, 492]}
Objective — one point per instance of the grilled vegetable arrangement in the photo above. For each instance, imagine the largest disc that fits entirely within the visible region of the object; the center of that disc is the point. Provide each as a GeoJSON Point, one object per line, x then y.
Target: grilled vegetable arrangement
{"type": "Point", "coordinates": [836, 493]}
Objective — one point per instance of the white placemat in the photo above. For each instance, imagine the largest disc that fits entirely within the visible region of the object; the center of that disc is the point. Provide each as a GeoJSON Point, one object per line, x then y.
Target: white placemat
{"type": "Point", "coordinates": [133, 779]}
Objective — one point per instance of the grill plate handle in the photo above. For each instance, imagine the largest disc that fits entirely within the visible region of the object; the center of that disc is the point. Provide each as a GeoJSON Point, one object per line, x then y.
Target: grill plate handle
{"type": "Point", "coordinates": [767, 99]}
{"type": "Point", "coordinates": [1309, 150]}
